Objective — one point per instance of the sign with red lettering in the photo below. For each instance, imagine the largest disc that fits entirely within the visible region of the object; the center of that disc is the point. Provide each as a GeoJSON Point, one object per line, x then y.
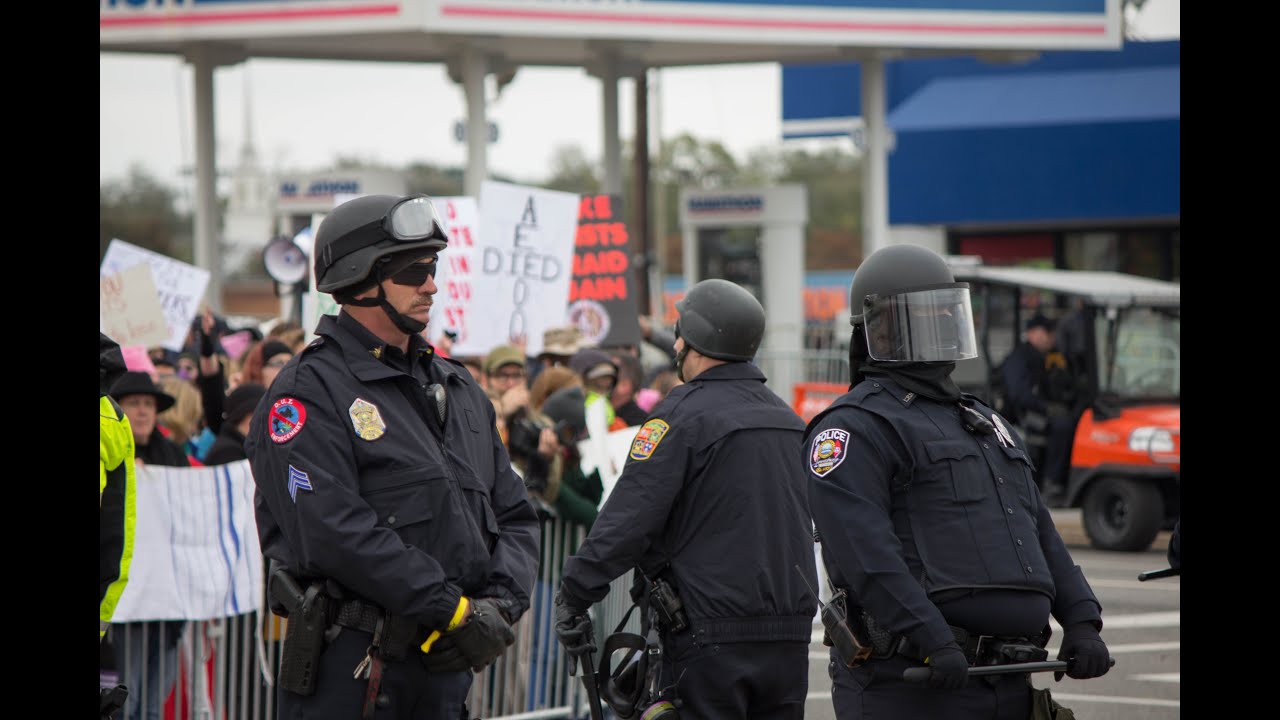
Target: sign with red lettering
{"type": "Point", "coordinates": [455, 271]}
{"type": "Point", "coordinates": [602, 290]}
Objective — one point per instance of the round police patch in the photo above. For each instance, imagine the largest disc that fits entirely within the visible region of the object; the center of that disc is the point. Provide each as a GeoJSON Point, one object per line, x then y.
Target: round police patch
{"type": "Point", "coordinates": [286, 419]}
{"type": "Point", "coordinates": [651, 433]}
{"type": "Point", "coordinates": [828, 451]}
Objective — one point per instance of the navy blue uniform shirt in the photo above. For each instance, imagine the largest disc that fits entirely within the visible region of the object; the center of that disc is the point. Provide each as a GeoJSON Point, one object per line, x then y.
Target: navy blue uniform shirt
{"type": "Point", "coordinates": [358, 482]}
{"type": "Point", "coordinates": [912, 508]}
{"type": "Point", "coordinates": [711, 489]}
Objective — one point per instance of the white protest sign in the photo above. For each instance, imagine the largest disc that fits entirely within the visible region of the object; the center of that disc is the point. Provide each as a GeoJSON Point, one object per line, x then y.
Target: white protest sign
{"type": "Point", "coordinates": [525, 248]}
{"type": "Point", "coordinates": [129, 309]}
{"type": "Point", "coordinates": [609, 456]}
{"type": "Point", "coordinates": [457, 266]}
{"type": "Point", "coordinates": [179, 286]}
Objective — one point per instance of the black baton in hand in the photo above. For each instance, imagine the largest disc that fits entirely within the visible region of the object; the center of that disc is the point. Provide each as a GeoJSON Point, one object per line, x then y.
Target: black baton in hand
{"type": "Point", "coordinates": [921, 674]}
{"type": "Point", "coordinates": [589, 682]}
{"type": "Point", "coordinates": [1157, 574]}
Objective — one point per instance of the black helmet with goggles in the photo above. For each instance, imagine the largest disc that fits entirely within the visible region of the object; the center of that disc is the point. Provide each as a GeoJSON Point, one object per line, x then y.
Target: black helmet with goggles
{"type": "Point", "coordinates": [360, 232]}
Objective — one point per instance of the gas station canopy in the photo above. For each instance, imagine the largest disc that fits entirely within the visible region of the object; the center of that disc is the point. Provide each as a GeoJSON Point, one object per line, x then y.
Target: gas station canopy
{"type": "Point", "coordinates": [651, 33]}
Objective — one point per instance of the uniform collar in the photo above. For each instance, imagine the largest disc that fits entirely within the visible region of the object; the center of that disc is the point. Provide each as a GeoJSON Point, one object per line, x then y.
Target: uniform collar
{"type": "Point", "coordinates": [732, 371]}
{"type": "Point", "coordinates": [362, 350]}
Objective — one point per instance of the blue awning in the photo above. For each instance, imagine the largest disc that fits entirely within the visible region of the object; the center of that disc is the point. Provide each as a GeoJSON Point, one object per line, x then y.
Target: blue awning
{"type": "Point", "coordinates": [1062, 98]}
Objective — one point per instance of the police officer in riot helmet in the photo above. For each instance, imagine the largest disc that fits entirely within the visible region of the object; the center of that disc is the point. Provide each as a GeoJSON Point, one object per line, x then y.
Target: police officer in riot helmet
{"type": "Point", "coordinates": [402, 545]}
{"type": "Point", "coordinates": [712, 515]}
{"type": "Point", "coordinates": [929, 518]}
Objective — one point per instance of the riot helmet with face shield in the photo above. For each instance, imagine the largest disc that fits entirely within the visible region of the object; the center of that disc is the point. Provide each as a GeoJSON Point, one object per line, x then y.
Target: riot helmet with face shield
{"type": "Point", "coordinates": [910, 308]}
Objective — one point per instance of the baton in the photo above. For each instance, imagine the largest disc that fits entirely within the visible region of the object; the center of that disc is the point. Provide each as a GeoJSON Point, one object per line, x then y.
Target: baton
{"type": "Point", "coordinates": [1157, 574]}
{"type": "Point", "coordinates": [589, 682]}
{"type": "Point", "coordinates": [921, 674]}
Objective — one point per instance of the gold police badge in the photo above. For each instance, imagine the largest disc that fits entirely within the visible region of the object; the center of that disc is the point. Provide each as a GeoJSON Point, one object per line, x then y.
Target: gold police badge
{"type": "Point", "coordinates": [366, 419]}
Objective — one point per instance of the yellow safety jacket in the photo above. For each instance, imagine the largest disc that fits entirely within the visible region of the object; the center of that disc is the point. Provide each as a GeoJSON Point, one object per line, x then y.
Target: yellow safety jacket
{"type": "Point", "coordinates": [117, 501]}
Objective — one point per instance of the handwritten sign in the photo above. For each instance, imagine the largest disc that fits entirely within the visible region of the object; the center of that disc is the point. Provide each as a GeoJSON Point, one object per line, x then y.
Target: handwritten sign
{"type": "Point", "coordinates": [129, 308]}
{"type": "Point", "coordinates": [457, 266]}
{"type": "Point", "coordinates": [179, 286]}
{"type": "Point", "coordinates": [525, 252]}
{"type": "Point", "coordinates": [601, 299]}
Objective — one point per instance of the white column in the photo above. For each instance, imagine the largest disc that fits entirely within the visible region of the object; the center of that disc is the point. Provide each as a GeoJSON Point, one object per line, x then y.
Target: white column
{"type": "Point", "coordinates": [782, 258]}
{"type": "Point", "coordinates": [473, 72]}
{"type": "Point", "coordinates": [689, 255]}
{"type": "Point", "coordinates": [612, 143]}
{"type": "Point", "coordinates": [875, 193]}
{"type": "Point", "coordinates": [207, 253]}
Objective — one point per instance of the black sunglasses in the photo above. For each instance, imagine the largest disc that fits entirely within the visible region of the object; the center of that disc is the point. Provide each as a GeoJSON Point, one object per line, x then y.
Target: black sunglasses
{"type": "Point", "coordinates": [415, 274]}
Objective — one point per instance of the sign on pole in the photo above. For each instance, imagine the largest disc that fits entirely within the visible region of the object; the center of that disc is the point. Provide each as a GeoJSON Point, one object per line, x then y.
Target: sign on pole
{"type": "Point", "coordinates": [129, 310]}
{"type": "Point", "coordinates": [602, 302]}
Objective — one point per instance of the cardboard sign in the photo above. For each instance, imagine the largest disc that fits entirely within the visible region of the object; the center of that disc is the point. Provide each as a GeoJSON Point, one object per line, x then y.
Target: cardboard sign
{"type": "Point", "coordinates": [179, 286]}
{"type": "Point", "coordinates": [525, 253]}
{"type": "Point", "coordinates": [129, 308]}
{"type": "Point", "coordinates": [602, 301]}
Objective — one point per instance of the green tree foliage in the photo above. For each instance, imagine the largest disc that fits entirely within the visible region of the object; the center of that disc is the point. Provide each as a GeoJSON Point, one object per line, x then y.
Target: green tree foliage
{"type": "Point", "coordinates": [572, 172]}
{"type": "Point", "coordinates": [142, 211]}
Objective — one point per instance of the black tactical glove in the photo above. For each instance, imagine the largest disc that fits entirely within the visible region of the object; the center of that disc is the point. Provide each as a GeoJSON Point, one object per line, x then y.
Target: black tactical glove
{"type": "Point", "coordinates": [1084, 651]}
{"type": "Point", "coordinates": [479, 641]}
{"type": "Point", "coordinates": [950, 668]}
{"type": "Point", "coordinates": [573, 627]}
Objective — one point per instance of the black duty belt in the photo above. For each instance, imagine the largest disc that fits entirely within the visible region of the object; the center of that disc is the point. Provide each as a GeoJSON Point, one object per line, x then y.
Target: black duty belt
{"type": "Point", "coordinates": [400, 638]}
{"type": "Point", "coordinates": [358, 615]}
{"type": "Point", "coordinates": [754, 629]}
{"type": "Point", "coordinates": [986, 649]}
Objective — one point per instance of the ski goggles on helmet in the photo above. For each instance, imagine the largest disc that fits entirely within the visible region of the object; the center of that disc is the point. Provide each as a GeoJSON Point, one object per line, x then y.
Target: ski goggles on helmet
{"type": "Point", "coordinates": [412, 220]}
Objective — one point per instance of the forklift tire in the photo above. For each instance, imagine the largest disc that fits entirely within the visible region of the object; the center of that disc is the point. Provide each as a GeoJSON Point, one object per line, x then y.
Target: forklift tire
{"type": "Point", "coordinates": [1122, 514]}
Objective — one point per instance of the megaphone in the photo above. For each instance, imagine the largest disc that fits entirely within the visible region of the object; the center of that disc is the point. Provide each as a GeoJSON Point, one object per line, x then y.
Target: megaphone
{"type": "Point", "coordinates": [285, 262]}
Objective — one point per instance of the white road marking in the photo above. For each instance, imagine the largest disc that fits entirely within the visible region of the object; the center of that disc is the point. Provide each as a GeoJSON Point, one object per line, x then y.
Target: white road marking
{"type": "Point", "coordinates": [1116, 699]}
{"type": "Point", "coordinates": [1136, 584]}
{"type": "Point", "coordinates": [1174, 677]}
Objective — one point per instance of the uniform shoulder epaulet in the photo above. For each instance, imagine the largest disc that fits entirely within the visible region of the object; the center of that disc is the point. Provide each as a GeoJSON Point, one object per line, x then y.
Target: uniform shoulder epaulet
{"type": "Point", "coordinates": [317, 342]}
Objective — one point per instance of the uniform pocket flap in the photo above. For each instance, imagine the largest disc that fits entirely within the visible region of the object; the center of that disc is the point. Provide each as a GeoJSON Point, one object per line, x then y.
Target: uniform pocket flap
{"type": "Point", "coordinates": [949, 449]}
{"type": "Point", "coordinates": [390, 479]}
{"type": "Point", "coordinates": [1016, 453]}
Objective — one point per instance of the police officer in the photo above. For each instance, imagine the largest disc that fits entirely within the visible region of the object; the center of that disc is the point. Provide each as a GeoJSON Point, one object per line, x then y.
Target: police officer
{"type": "Point", "coordinates": [929, 517]}
{"type": "Point", "coordinates": [381, 481]}
{"type": "Point", "coordinates": [1039, 395]}
{"type": "Point", "coordinates": [709, 505]}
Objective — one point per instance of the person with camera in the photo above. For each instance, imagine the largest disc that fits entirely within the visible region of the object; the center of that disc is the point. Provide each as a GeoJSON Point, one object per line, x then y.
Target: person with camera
{"type": "Point", "coordinates": [711, 511]}
{"type": "Point", "coordinates": [404, 545]}
{"type": "Point", "coordinates": [930, 522]}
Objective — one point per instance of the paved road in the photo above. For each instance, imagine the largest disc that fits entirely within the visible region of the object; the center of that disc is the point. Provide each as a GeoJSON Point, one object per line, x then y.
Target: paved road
{"type": "Point", "coordinates": [1141, 627]}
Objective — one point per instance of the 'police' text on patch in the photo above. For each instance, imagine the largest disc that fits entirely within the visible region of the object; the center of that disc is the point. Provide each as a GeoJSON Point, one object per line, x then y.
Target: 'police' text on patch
{"type": "Point", "coordinates": [829, 449]}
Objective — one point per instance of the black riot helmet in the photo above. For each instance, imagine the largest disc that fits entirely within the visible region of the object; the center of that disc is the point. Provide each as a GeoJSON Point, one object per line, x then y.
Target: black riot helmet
{"type": "Point", "coordinates": [721, 320]}
{"type": "Point", "coordinates": [910, 307]}
{"type": "Point", "coordinates": [360, 232]}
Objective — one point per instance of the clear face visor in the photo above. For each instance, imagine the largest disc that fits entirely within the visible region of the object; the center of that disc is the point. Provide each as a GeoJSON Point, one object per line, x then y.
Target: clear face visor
{"type": "Point", "coordinates": [923, 326]}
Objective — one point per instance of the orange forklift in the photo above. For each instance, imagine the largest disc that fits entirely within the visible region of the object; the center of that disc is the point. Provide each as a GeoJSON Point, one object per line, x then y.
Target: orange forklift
{"type": "Point", "coordinates": [1121, 338]}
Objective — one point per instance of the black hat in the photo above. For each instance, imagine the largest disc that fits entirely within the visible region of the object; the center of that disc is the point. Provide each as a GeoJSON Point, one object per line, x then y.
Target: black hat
{"type": "Point", "coordinates": [242, 401]}
{"type": "Point", "coordinates": [1040, 321]}
{"type": "Point", "coordinates": [272, 348]}
{"type": "Point", "coordinates": [569, 405]}
{"type": "Point", "coordinates": [110, 363]}
{"type": "Point", "coordinates": [139, 383]}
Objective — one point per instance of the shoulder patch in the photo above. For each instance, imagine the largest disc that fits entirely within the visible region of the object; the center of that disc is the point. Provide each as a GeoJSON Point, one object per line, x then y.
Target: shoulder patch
{"type": "Point", "coordinates": [651, 433]}
{"type": "Point", "coordinates": [286, 419]}
{"type": "Point", "coordinates": [829, 449]}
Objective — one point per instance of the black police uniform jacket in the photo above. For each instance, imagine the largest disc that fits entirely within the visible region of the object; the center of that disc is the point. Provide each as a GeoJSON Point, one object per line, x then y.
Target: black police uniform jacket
{"type": "Point", "coordinates": [356, 481]}
{"type": "Point", "coordinates": [909, 504]}
{"type": "Point", "coordinates": [710, 487]}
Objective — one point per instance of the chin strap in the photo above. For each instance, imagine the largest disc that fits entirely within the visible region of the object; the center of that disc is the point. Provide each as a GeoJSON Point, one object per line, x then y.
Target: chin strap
{"type": "Point", "coordinates": [680, 356]}
{"type": "Point", "coordinates": [407, 325]}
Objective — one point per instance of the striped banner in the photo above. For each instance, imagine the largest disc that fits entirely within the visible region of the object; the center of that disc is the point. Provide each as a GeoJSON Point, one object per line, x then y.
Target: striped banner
{"type": "Point", "coordinates": [196, 553]}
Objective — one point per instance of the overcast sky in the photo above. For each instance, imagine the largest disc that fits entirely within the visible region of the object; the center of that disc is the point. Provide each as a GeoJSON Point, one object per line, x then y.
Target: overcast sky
{"type": "Point", "coordinates": [306, 113]}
